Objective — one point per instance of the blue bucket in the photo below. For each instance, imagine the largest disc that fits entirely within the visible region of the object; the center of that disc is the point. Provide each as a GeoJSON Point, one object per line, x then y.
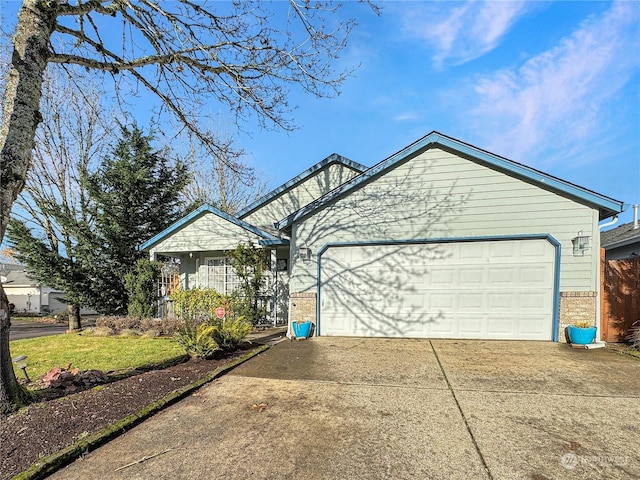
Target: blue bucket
{"type": "Point", "coordinates": [581, 336]}
{"type": "Point", "coordinates": [301, 330]}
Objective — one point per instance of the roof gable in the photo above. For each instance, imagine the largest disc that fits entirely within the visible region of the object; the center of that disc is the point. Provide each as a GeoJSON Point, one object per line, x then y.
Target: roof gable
{"type": "Point", "coordinates": [204, 209]}
{"type": "Point", "coordinates": [299, 179]}
{"type": "Point", "coordinates": [606, 206]}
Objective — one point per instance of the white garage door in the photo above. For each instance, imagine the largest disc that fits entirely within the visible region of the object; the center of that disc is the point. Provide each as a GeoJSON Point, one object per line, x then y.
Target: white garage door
{"type": "Point", "coordinates": [487, 289]}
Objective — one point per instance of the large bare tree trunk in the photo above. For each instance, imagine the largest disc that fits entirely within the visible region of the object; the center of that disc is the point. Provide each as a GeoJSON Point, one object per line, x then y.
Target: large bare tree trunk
{"type": "Point", "coordinates": [11, 393]}
{"type": "Point", "coordinates": [20, 119]}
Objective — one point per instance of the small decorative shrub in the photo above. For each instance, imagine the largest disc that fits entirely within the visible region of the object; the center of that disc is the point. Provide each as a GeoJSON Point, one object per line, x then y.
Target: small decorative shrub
{"type": "Point", "coordinates": [128, 326]}
{"type": "Point", "coordinates": [197, 340]}
{"type": "Point", "coordinates": [166, 327]}
{"type": "Point", "coordinates": [141, 284]}
{"type": "Point", "coordinates": [62, 317]}
{"type": "Point", "coordinates": [98, 331]}
{"type": "Point", "coordinates": [228, 333]}
{"type": "Point", "coordinates": [583, 324]}
{"type": "Point", "coordinates": [634, 336]}
{"type": "Point", "coordinates": [150, 333]}
{"type": "Point", "coordinates": [116, 323]}
{"type": "Point", "coordinates": [129, 332]}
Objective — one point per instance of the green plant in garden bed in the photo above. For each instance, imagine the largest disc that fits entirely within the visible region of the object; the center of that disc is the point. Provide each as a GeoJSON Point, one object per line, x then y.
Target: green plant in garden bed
{"type": "Point", "coordinates": [197, 340]}
{"type": "Point", "coordinates": [229, 332]}
{"type": "Point", "coordinates": [92, 353]}
{"type": "Point", "coordinates": [206, 339]}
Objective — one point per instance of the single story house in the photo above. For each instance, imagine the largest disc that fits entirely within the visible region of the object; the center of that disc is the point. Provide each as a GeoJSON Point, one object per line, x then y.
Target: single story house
{"type": "Point", "coordinates": [623, 241]}
{"type": "Point", "coordinates": [440, 240]}
{"type": "Point", "coordinates": [30, 296]}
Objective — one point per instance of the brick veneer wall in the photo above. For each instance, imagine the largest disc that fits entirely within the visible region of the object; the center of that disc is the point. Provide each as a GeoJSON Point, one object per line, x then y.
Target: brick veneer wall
{"type": "Point", "coordinates": [303, 307]}
{"type": "Point", "coordinates": [576, 307]}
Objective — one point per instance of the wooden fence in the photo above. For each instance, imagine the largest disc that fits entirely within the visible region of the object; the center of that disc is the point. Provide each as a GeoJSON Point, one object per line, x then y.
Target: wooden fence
{"type": "Point", "coordinates": [620, 294]}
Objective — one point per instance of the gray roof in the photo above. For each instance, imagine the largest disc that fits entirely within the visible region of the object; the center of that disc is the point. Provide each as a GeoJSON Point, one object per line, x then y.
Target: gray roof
{"type": "Point", "coordinates": [16, 276]}
{"type": "Point", "coordinates": [619, 236]}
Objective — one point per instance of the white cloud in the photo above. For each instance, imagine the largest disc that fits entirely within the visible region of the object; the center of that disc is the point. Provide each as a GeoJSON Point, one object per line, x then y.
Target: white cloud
{"type": "Point", "coordinates": [406, 116]}
{"type": "Point", "coordinates": [462, 32]}
{"type": "Point", "coordinates": [557, 98]}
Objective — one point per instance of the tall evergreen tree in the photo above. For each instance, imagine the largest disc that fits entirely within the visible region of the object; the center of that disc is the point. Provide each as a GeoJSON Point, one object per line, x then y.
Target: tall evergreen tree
{"type": "Point", "coordinates": [134, 194]}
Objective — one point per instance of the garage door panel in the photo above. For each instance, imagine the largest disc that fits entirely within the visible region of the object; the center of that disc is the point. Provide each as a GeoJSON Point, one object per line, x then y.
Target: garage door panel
{"type": "Point", "coordinates": [468, 326]}
{"type": "Point", "coordinates": [500, 325]}
{"type": "Point", "coordinates": [440, 277]}
{"type": "Point", "coordinates": [471, 302]}
{"type": "Point", "coordinates": [534, 275]}
{"type": "Point", "coordinates": [532, 325]}
{"type": "Point", "coordinates": [502, 277]}
{"type": "Point", "coordinates": [471, 276]}
{"type": "Point", "coordinates": [470, 253]}
{"type": "Point", "coordinates": [452, 290]}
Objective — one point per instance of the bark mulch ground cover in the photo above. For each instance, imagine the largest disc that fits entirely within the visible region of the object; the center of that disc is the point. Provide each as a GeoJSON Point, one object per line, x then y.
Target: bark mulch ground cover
{"type": "Point", "coordinates": [48, 426]}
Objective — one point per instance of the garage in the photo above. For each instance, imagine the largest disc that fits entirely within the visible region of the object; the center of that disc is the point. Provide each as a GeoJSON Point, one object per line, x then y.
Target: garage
{"type": "Point", "coordinates": [472, 289]}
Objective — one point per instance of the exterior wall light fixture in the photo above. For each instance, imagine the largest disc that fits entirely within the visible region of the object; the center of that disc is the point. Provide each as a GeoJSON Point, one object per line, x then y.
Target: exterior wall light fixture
{"type": "Point", "coordinates": [581, 242]}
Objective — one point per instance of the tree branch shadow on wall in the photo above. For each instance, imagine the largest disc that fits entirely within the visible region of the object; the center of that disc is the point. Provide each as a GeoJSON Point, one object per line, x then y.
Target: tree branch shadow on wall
{"type": "Point", "coordinates": [382, 289]}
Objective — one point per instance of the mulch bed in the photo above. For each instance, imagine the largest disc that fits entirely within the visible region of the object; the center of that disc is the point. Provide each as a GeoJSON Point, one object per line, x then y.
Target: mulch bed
{"type": "Point", "coordinates": [48, 426]}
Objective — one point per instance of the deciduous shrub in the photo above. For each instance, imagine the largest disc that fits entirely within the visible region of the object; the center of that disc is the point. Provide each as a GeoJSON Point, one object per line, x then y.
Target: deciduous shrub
{"type": "Point", "coordinates": [116, 323]}
{"type": "Point", "coordinates": [154, 327]}
{"type": "Point", "coordinates": [200, 304]}
{"type": "Point", "coordinates": [165, 327]}
{"type": "Point", "coordinates": [252, 265]}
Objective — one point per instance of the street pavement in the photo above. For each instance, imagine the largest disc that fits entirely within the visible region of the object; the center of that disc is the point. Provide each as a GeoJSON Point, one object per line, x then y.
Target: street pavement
{"type": "Point", "coordinates": [30, 329]}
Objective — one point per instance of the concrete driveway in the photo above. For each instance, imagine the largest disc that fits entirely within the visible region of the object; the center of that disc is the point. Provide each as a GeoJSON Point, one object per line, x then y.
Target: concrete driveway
{"type": "Point", "coordinates": [381, 408]}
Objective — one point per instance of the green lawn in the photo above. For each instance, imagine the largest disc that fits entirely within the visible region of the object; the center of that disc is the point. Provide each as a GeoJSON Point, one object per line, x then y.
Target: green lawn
{"type": "Point", "coordinates": [92, 353]}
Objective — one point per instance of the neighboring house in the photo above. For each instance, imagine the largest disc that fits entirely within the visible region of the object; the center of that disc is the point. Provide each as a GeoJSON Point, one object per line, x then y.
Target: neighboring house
{"type": "Point", "coordinates": [623, 241]}
{"type": "Point", "coordinates": [28, 295]}
{"type": "Point", "coordinates": [440, 240]}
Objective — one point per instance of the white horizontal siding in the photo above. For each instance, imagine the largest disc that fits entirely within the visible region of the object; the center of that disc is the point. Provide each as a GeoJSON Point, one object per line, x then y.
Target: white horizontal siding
{"type": "Point", "coordinates": [297, 197]}
{"type": "Point", "coordinates": [207, 232]}
{"type": "Point", "coordinates": [440, 195]}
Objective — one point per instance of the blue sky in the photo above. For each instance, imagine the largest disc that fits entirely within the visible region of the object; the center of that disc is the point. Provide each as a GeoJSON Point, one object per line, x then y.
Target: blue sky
{"type": "Point", "coordinates": [553, 85]}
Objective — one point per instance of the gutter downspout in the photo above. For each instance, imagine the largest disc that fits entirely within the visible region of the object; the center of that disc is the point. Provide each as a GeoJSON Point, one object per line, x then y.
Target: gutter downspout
{"type": "Point", "coordinates": [612, 222]}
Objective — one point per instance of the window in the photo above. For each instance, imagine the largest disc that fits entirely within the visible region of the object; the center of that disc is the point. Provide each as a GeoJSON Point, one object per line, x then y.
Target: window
{"type": "Point", "coordinates": [220, 275]}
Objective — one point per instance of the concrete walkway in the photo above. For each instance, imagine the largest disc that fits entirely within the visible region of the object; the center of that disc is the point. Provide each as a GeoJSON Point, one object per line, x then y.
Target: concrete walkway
{"type": "Point", "coordinates": [382, 408]}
